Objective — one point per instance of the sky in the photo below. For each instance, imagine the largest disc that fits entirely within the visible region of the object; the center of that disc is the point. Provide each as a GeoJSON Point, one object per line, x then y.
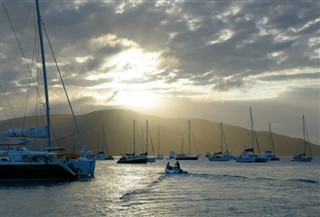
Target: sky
{"type": "Point", "coordinates": [177, 59]}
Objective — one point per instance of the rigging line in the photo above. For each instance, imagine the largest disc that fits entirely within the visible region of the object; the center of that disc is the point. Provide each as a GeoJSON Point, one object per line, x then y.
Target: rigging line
{"type": "Point", "coordinates": [10, 107]}
{"type": "Point", "coordinates": [16, 37]}
{"type": "Point", "coordinates": [65, 90]}
{"type": "Point", "coordinates": [105, 140]}
{"type": "Point", "coordinates": [255, 136]}
{"type": "Point", "coordinates": [151, 142]}
{"type": "Point", "coordinates": [307, 136]}
{"type": "Point", "coordinates": [224, 136]}
{"type": "Point", "coordinates": [32, 80]}
{"type": "Point", "coordinates": [20, 47]}
{"type": "Point", "coordinates": [194, 141]}
{"type": "Point", "coordinates": [140, 139]}
{"type": "Point", "coordinates": [6, 114]}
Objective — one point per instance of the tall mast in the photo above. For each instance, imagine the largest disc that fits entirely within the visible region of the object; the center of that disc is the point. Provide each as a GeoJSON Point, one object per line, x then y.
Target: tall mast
{"type": "Point", "coordinates": [147, 132]}
{"type": "Point", "coordinates": [271, 139]}
{"type": "Point", "coordinates": [44, 73]}
{"type": "Point", "coordinates": [252, 135]}
{"type": "Point", "coordinates": [189, 139]}
{"type": "Point", "coordinates": [221, 140]}
{"type": "Point", "coordinates": [134, 137]}
{"type": "Point", "coordinates": [158, 141]}
{"type": "Point", "coordinates": [304, 134]}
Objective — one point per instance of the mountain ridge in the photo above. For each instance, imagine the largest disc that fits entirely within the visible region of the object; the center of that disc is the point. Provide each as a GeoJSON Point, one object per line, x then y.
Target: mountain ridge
{"type": "Point", "coordinates": [118, 127]}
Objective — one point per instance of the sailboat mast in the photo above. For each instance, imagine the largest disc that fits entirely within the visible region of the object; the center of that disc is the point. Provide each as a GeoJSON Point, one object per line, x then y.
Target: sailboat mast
{"type": "Point", "coordinates": [221, 140]}
{"type": "Point", "coordinates": [158, 141]}
{"type": "Point", "coordinates": [44, 72]}
{"type": "Point", "coordinates": [189, 139]}
{"type": "Point", "coordinates": [271, 139]}
{"type": "Point", "coordinates": [252, 132]}
{"type": "Point", "coordinates": [134, 136]}
{"type": "Point", "coordinates": [304, 134]}
{"type": "Point", "coordinates": [147, 131]}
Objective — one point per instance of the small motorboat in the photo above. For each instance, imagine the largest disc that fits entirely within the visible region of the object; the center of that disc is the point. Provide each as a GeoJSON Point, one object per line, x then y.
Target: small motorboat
{"type": "Point", "coordinates": [174, 170]}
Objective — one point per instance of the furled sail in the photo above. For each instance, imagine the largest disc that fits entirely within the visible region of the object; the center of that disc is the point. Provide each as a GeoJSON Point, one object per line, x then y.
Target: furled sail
{"type": "Point", "coordinates": [34, 132]}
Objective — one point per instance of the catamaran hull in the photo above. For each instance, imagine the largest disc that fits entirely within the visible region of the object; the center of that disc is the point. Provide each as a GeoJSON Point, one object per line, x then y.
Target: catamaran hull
{"type": "Point", "coordinates": [133, 161]}
{"type": "Point", "coordinates": [218, 159]}
{"type": "Point", "coordinates": [273, 158]}
{"type": "Point", "coordinates": [303, 159]}
{"type": "Point", "coordinates": [186, 158]}
{"type": "Point", "coordinates": [104, 158]}
{"type": "Point", "coordinates": [35, 172]}
{"type": "Point", "coordinates": [246, 160]}
{"type": "Point", "coordinates": [261, 159]}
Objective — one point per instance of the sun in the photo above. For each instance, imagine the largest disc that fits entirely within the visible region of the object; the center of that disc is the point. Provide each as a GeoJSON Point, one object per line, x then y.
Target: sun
{"type": "Point", "coordinates": [137, 99]}
{"type": "Point", "coordinates": [127, 78]}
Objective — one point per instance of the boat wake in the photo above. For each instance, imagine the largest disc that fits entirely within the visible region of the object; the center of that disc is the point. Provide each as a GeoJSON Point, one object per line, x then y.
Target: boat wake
{"type": "Point", "coordinates": [129, 195]}
{"type": "Point", "coordinates": [305, 180]}
{"type": "Point", "coordinates": [213, 176]}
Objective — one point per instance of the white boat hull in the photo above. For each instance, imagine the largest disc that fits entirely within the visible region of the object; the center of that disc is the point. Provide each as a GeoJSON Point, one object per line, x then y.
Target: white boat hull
{"type": "Point", "coordinates": [175, 170]}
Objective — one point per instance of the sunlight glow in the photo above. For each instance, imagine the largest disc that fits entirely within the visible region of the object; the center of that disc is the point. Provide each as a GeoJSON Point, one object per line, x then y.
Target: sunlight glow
{"type": "Point", "coordinates": [137, 99]}
{"type": "Point", "coordinates": [129, 75]}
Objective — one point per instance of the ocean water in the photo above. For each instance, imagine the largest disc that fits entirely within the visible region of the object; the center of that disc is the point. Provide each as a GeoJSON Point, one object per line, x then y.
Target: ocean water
{"type": "Point", "coordinates": [283, 188]}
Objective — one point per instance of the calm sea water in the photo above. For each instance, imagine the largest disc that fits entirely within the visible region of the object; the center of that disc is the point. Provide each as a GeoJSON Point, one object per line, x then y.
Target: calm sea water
{"type": "Point", "coordinates": [281, 188]}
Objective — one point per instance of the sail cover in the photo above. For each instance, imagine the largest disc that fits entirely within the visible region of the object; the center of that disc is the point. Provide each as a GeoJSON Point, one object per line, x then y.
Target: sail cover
{"type": "Point", "coordinates": [14, 141]}
{"type": "Point", "coordinates": [34, 132]}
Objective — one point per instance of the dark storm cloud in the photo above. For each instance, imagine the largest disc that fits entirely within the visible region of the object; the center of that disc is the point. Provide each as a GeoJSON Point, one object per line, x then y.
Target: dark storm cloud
{"type": "Point", "coordinates": [217, 43]}
{"type": "Point", "coordinates": [304, 76]}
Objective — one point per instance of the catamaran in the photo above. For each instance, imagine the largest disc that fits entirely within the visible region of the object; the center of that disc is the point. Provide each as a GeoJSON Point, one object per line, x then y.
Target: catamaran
{"type": "Point", "coordinates": [188, 156]}
{"type": "Point", "coordinates": [24, 164]}
{"type": "Point", "coordinates": [103, 154]}
{"type": "Point", "coordinates": [222, 156]}
{"type": "Point", "coordinates": [269, 153]}
{"type": "Point", "coordinates": [303, 157]}
{"type": "Point", "coordinates": [249, 155]}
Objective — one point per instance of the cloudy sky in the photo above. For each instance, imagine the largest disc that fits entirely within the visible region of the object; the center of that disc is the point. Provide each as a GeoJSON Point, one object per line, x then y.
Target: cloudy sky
{"type": "Point", "coordinates": [184, 59]}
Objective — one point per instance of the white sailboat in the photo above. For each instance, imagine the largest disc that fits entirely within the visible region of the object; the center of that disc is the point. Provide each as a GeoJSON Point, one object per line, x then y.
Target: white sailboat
{"type": "Point", "coordinates": [103, 154]}
{"type": "Point", "coordinates": [188, 156]}
{"type": "Point", "coordinates": [222, 156]}
{"type": "Point", "coordinates": [269, 153]}
{"type": "Point", "coordinates": [303, 157]}
{"type": "Point", "coordinates": [249, 155]}
{"type": "Point", "coordinates": [171, 155]}
{"type": "Point", "coordinates": [23, 164]}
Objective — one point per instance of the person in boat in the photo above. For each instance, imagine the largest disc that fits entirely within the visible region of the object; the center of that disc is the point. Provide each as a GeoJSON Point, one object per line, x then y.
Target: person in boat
{"type": "Point", "coordinates": [178, 165]}
{"type": "Point", "coordinates": [168, 165]}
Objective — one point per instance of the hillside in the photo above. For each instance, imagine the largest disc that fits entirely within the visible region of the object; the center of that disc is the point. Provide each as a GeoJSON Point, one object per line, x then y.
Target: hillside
{"type": "Point", "coordinates": [118, 127]}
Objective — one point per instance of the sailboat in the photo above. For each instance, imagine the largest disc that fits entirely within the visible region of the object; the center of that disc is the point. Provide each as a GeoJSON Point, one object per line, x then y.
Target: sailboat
{"type": "Point", "coordinates": [133, 158]}
{"type": "Point", "coordinates": [103, 154]}
{"type": "Point", "coordinates": [222, 156]}
{"type": "Point", "coordinates": [24, 164]}
{"type": "Point", "coordinates": [188, 156]}
{"type": "Point", "coordinates": [249, 155]}
{"type": "Point", "coordinates": [269, 152]}
{"type": "Point", "coordinates": [303, 157]}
